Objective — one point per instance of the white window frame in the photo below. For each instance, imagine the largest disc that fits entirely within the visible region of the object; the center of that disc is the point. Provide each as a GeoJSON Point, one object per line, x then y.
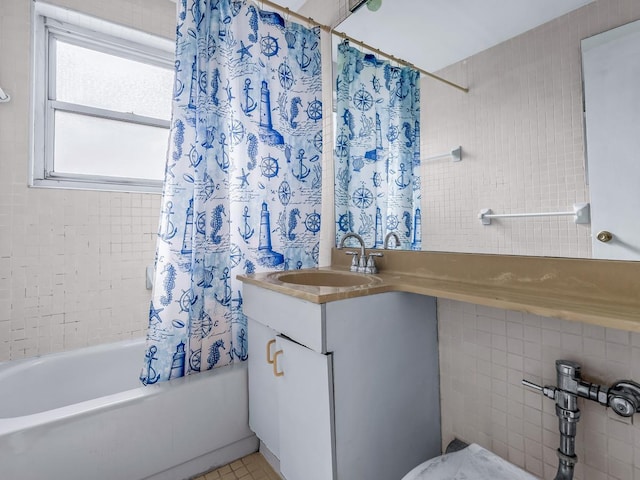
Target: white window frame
{"type": "Point", "coordinates": [51, 23]}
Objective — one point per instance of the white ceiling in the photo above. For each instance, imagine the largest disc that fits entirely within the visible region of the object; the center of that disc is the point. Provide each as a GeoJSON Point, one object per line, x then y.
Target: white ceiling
{"type": "Point", "coordinates": [435, 33]}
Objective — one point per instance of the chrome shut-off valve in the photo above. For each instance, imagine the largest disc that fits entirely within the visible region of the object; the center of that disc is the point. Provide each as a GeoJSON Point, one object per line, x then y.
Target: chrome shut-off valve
{"type": "Point", "coordinates": [623, 397]}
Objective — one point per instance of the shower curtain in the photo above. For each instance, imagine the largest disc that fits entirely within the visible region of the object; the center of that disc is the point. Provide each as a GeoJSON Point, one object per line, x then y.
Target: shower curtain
{"type": "Point", "coordinates": [377, 150]}
{"type": "Point", "coordinates": [242, 181]}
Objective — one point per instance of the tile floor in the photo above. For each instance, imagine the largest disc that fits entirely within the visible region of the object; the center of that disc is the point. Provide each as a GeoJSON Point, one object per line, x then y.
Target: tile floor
{"type": "Point", "coordinates": [251, 467]}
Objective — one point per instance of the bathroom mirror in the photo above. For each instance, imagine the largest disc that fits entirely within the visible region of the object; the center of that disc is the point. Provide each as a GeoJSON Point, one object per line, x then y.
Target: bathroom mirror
{"type": "Point", "coordinates": [377, 149]}
{"type": "Point", "coordinates": [520, 126]}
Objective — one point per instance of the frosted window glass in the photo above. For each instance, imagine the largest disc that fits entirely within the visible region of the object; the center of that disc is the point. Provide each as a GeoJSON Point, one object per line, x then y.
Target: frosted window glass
{"type": "Point", "coordinates": [97, 146]}
{"type": "Point", "coordinates": [101, 80]}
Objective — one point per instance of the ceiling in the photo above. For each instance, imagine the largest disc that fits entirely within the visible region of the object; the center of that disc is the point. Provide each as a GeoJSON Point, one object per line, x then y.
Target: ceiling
{"type": "Point", "coordinates": [435, 33]}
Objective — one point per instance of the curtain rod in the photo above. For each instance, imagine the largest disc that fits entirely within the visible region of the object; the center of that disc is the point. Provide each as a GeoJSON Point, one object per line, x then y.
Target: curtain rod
{"type": "Point", "coordinates": [332, 31]}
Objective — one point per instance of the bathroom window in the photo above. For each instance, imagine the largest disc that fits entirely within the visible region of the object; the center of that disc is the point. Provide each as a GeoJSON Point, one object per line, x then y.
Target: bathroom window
{"type": "Point", "coordinates": [102, 103]}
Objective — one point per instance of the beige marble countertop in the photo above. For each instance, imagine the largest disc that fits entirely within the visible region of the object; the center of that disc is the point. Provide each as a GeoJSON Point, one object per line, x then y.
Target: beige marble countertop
{"type": "Point", "coordinates": [605, 293]}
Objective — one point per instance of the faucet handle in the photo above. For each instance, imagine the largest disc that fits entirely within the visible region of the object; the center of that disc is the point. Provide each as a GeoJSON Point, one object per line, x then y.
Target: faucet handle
{"type": "Point", "coordinates": [354, 260]}
{"type": "Point", "coordinates": [362, 264]}
{"type": "Point", "coordinates": [371, 263]}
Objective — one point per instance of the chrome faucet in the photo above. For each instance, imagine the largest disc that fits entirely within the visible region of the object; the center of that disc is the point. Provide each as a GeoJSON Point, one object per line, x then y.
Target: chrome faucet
{"type": "Point", "coordinates": [623, 397]}
{"type": "Point", "coordinates": [362, 264]}
{"type": "Point", "coordinates": [391, 235]}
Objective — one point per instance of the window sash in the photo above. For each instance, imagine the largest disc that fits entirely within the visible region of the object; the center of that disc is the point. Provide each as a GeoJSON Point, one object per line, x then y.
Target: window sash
{"type": "Point", "coordinates": [47, 31]}
{"type": "Point", "coordinates": [108, 114]}
{"type": "Point", "coordinates": [86, 38]}
{"type": "Point", "coordinates": [53, 174]}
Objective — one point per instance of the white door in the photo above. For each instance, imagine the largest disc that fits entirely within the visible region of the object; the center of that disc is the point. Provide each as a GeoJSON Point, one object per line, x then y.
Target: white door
{"type": "Point", "coordinates": [611, 68]}
{"type": "Point", "coordinates": [263, 394]}
{"type": "Point", "coordinates": [305, 393]}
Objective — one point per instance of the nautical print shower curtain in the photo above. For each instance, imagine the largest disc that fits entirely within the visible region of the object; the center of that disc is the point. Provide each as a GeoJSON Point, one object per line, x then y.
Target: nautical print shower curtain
{"type": "Point", "coordinates": [242, 181]}
{"type": "Point", "coordinates": [377, 151]}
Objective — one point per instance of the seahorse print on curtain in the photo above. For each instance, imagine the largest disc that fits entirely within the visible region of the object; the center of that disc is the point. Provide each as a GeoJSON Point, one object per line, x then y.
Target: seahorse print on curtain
{"type": "Point", "coordinates": [377, 150]}
{"type": "Point", "coordinates": [243, 177]}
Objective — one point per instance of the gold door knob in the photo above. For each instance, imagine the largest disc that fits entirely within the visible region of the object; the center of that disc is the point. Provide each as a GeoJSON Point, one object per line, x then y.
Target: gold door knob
{"type": "Point", "coordinates": [604, 236]}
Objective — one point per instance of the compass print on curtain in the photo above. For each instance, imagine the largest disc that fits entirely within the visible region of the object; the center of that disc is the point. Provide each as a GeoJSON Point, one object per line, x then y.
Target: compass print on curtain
{"type": "Point", "coordinates": [243, 179]}
{"type": "Point", "coordinates": [377, 149]}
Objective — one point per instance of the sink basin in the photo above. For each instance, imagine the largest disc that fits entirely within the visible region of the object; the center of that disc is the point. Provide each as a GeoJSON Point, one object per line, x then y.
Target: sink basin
{"type": "Point", "coordinates": [325, 278]}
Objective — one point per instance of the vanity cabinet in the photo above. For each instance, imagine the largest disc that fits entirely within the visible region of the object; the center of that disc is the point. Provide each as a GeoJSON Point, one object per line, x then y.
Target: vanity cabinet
{"type": "Point", "coordinates": [291, 412]}
{"type": "Point", "coordinates": [344, 390]}
{"type": "Point", "coordinates": [263, 405]}
{"type": "Point", "coordinates": [305, 397]}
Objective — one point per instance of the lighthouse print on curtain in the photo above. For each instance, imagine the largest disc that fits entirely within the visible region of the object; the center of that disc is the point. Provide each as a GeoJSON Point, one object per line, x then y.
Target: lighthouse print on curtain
{"type": "Point", "coordinates": [377, 149]}
{"type": "Point", "coordinates": [242, 185]}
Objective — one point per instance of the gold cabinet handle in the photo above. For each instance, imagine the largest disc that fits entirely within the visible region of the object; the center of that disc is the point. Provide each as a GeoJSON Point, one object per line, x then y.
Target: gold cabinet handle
{"type": "Point", "coordinates": [275, 364]}
{"type": "Point", "coordinates": [269, 343]}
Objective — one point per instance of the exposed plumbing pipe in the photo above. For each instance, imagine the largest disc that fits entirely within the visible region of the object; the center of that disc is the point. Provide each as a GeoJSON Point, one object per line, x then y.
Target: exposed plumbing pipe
{"type": "Point", "coordinates": [623, 397]}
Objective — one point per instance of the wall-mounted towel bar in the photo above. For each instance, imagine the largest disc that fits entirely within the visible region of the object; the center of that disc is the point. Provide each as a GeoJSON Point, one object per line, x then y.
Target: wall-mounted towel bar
{"type": "Point", "coordinates": [580, 213]}
{"type": "Point", "coordinates": [4, 97]}
{"type": "Point", "coordinates": [455, 154]}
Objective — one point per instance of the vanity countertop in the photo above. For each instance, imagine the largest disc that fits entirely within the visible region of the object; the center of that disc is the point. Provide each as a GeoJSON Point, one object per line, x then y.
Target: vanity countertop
{"type": "Point", "coordinates": [600, 292]}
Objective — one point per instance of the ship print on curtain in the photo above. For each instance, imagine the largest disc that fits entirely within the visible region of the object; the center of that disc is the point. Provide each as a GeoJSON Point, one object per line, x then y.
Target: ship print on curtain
{"type": "Point", "coordinates": [242, 187]}
{"type": "Point", "coordinates": [377, 150]}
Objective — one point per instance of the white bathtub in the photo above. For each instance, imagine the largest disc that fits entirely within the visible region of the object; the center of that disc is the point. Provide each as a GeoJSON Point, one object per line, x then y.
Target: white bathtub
{"type": "Point", "coordinates": [83, 414]}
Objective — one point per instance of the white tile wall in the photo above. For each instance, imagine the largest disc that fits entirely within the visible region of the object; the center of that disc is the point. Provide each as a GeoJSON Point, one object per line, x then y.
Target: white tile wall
{"type": "Point", "coordinates": [484, 355]}
{"type": "Point", "coordinates": [521, 131]}
{"type": "Point", "coordinates": [72, 263]}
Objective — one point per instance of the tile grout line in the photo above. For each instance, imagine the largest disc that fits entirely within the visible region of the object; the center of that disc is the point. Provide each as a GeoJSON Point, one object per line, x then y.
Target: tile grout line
{"type": "Point", "coordinates": [251, 467]}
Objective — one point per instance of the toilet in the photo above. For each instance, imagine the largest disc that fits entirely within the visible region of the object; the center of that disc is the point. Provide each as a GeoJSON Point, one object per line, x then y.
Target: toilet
{"type": "Point", "coordinates": [470, 463]}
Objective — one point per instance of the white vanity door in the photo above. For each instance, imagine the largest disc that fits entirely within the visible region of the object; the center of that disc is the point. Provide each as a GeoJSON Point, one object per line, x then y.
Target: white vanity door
{"type": "Point", "coordinates": [263, 393]}
{"type": "Point", "coordinates": [611, 66]}
{"type": "Point", "coordinates": [305, 393]}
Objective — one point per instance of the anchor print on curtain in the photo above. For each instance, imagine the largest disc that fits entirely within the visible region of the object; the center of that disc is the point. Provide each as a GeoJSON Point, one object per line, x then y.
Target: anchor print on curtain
{"type": "Point", "coordinates": [242, 185]}
{"type": "Point", "coordinates": [377, 149]}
